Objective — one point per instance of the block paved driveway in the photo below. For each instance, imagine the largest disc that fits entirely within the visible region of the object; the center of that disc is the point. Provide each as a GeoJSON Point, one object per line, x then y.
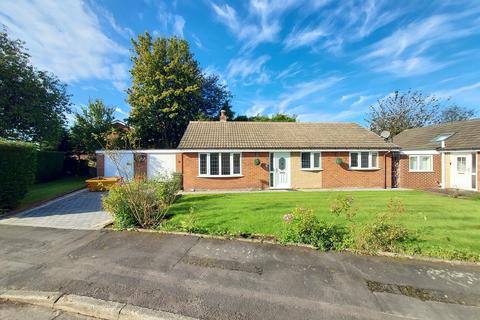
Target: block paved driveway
{"type": "Point", "coordinates": [79, 210]}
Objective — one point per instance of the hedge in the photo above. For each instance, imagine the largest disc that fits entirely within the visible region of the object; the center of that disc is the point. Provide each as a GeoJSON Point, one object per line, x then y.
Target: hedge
{"type": "Point", "coordinates": [49, 165]}
{"type": "Point", "coordinates": [17, 171]}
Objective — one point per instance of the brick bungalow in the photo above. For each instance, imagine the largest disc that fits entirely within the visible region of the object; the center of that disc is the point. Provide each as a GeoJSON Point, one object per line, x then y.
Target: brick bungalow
{"type": "Point", "coordinates": [440, 156]}
{"type": "Point", "coordinates": [281, 155]}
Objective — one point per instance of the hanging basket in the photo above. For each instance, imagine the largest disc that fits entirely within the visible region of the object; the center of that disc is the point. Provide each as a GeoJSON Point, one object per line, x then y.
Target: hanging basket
{"type": "Point", "coordinates": [339, 161]}
{"type": "Point", "coordinates": [256, 162]}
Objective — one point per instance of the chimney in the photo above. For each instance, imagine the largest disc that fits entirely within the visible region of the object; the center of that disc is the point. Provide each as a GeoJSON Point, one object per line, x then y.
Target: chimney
{"type": "Point", "coordinates": [223, 117]}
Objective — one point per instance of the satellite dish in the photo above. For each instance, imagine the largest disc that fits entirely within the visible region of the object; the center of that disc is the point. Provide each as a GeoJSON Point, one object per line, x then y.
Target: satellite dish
{"type": "Point", "coordinates": [385, 134]}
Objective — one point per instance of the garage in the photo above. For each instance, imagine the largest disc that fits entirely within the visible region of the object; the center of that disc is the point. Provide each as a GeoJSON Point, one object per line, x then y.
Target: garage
{"type": "Point", "coordinates": [153, 164]}
{"type": "Point", "coordinates": [119, 164]}
{"type": "Point", "coordinates": [161, 164]}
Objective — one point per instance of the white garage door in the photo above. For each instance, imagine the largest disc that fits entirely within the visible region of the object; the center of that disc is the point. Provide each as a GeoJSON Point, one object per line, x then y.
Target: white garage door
{"type": "Point", "coordinates": [119, 165]}
{"type": "Point", "coordinates": [160, 165]}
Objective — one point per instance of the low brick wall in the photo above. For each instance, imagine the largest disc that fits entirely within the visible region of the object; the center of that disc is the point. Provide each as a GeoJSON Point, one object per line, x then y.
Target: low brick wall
{"type": "Point", "coordinates": [420, 180]}
{"type": "Point", "coordinates": [341, 176]}
{"type": "Point", "coordinates": [254, 177]}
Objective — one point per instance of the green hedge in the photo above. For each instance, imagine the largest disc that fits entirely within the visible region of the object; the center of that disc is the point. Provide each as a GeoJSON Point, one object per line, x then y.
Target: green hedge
{"type": "Point", "coordinates": [17, 171]}
{"type": "Point", "coordinates": [49, 165]}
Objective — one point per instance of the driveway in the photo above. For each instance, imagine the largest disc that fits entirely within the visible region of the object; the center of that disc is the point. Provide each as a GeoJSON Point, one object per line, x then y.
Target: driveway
{"type": "Point", "coordinates": [79, 210]}
{"type": "Point", "coordinates": [219, 279]}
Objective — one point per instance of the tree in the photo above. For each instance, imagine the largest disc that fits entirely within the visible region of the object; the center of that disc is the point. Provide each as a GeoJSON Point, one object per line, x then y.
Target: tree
{"type": "Point", "coordinates": [168, 90]}
{"type": "Point", "coordinates": [277, 117]}
{"type": "Point", "coordinates": [401, 111]}
{"type": "Point", "coordinates": [91, 127]}
{"type": "Point", "coordinates": [33, 103]}
{"type": "Point", "coordinates": [455, 113]}
{"type": "Point", "coordinates": [214, 97]}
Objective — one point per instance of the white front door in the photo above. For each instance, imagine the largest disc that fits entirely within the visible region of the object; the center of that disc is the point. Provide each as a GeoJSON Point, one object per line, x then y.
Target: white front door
{"type": "Point", "coordinates": [281, 170]}
{"type": "Point", "coordinates": [462, 171]}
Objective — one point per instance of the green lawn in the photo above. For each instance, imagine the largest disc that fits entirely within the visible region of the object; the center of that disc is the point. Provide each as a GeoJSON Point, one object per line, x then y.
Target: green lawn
{"type": "Point", "coordinates": [441, 221]}
{"type": "Point", "coordinates": [48, 190]}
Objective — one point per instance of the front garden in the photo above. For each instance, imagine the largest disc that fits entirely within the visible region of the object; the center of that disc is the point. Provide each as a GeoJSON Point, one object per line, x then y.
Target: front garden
{"type": "Point", "coordinates": [411, 222]}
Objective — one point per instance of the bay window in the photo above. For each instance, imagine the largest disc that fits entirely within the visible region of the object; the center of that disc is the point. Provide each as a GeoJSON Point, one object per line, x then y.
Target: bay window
{"type": "Point", "coordinates": [420, 163]}
{"type": "Point", "coordinates": [219, 164]}
{"type": "Point", "coordinates": [310, 160]}
{"type": "Point", "coordinates": [364, 160]}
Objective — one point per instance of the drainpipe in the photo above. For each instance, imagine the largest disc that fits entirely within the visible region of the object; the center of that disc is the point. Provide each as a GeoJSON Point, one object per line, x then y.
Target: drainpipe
{"type": "Point", "coordinates": [385, 169]}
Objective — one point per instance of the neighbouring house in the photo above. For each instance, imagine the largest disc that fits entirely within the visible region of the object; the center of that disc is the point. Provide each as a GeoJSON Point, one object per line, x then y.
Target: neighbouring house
{"type": "Point", "coordinates": [280, 155]}
{"type": "Point", "coordinates": [444, 156]}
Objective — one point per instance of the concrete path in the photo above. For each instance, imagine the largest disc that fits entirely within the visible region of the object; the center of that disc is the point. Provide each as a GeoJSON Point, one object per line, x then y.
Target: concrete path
{"type": "Point", "coordinates": [20, 311]}
{"type": "Point", "coordinates": [79, 210]}
{"type": "Point", "coordinates": [217, 279]}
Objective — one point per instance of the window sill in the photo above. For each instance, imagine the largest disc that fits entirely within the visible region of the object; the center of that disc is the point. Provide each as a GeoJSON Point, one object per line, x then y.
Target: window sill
{"type": "Point", "coordinates": [315, 169]}
{"type": "Point", "coordinates": [420, 171]}
{"type": "Point", "coordinates": [221, 176]}
{"type": "Point", "coordinates": [364, 169]}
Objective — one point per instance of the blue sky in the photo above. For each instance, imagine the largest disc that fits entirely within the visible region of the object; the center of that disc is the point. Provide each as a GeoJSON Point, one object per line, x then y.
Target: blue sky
{"type": "Point", "coordinates": [321, 60]}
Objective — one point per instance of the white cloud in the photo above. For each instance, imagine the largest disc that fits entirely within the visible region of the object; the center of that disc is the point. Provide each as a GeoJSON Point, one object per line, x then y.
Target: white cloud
{"type": "Point", "coordinates": [63, 37]}
{"type": "Point", "coordinates": [346, 22]}
{"type": "Point", "coordinates": [406, 51]}
{"type": "Point", "coordinates": [178, 25]}
{"type": "Point", "coordinates": [197, 41]}
{"type": "Point", "coordinates": [291, 71]}
{"type": "Point", "coordinates": [457, 91]}
{"type": "Point", "coordinates": [118, 110]}
{"type": "Point", "coordinates": [303, 90]}
{"type": "Point", "coordinates": [248, 70]}
{"type": "Point", "coordinates": [262, 24]}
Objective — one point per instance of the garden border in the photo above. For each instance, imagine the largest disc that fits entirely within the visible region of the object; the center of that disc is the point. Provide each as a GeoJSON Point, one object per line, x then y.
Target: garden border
{"type": "Point", "coordinates": [307, 246]}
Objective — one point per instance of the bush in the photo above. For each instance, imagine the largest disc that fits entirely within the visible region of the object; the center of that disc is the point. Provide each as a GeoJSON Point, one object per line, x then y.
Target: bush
{"type": "Point", "coordinates": [381, 236]}
{"type": "Point", "coordinates": [49, 165]}
{"type": "Point", "coordinates": [343, 205]}
{"type": "Point", "coordinates": [384, 234]}
{"type": "Point", "coordinates": [302, 226]}
{"type": "Point", "coordinates": [17, 171]}
{"type": "Point", "coordinates": [141, 203]}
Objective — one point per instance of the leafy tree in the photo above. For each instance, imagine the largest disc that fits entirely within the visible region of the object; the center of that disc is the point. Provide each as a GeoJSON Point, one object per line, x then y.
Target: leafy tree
{"type": "Point", "coordinates": [455, 113]}
{"type": "Point", "coordinates": [277, 117]}
{"type": "Point", "coordinates": [33, 103]}
{"type": "Point", "coordinates": [401, 111]}
{"type": "Point", "coordinates": [214, 96]}
{"type": "Point", "coordinates": [91, 127]}
{"type": "Point", "coordinates": [168, 90]}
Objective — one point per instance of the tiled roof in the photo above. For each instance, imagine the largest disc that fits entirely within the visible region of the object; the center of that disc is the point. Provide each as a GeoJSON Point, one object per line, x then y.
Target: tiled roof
{"type": "Point", "coordinates": [279, 135]}
{"type": "Point", "coordinates": [465, 135]}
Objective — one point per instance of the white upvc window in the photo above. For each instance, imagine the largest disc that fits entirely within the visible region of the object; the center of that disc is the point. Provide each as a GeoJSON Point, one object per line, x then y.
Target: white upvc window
{"type": "Point", "coordinates": [219, 164]}
{"type": "Point", "coordinates": [420, 163]}
{"type": "Point", "coordinates": [311, 160]}
{"type": "Point", "coordinates": [364, 160]}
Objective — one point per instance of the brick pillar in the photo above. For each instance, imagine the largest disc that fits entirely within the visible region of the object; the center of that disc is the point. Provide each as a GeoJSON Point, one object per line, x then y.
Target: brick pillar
{"type": "Point", "coordinates": [179, 162]}
{"type": "Point", "coordinates": [140, 165]}
{"type": "Point", "coordinates": [100, 164]}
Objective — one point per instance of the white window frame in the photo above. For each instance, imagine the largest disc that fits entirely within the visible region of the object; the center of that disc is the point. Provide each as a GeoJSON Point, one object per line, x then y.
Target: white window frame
{"type": "Point", "coordinates": [220, 175]}
{"type": "Point", "coordinates": [418, 156]}
{"type": "Point", "coordinates": [312, 167]}
{"type": "Point", "coordinates": [359, 160]}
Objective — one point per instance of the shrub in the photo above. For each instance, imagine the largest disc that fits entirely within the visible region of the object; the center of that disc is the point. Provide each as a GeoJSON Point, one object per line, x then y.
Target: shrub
{"type": "Point", "coordinates": [141, 203]}
{"type": "Point", "coordinates": [343, 205]}
{"type": "Point", "coordinates": [17, 171]}
{"type": "Point", "coordinates": [49, 165]}
{"type": "Point", "coordinates": [383, 234]}
{"type": "Point", "coordinates": [302, 226]}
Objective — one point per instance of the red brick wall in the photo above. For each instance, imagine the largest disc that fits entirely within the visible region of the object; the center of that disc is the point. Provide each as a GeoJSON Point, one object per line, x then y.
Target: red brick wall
{"type": "Point", "coordinates": [340, 176]}
{"type": "Point", "coordinates": [100, 165]}
{"type": "Point", "coordinates": [140, 165]}
{"type": "Point", "coordinates": [420, 180]}
{"type": "Point", "coordinates": [254, 177]}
